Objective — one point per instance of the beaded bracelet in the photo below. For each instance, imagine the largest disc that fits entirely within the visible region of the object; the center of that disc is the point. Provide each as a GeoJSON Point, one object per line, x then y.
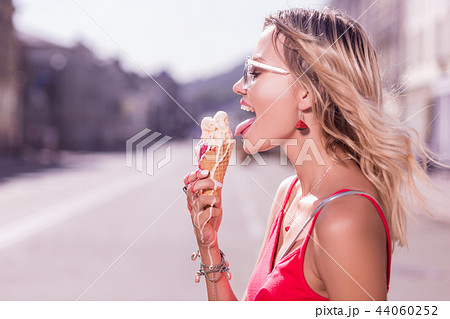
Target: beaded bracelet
{"type": "Point", "coordinates": [205, 270]}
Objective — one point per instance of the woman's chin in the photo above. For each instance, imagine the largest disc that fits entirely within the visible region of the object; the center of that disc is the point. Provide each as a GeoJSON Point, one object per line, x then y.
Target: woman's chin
{"type": "Point", "coordinates": [246, 150]}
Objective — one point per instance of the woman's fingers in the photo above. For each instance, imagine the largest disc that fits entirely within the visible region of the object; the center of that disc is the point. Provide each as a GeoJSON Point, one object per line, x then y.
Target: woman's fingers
{"type": "Point", "coordinates": [197, 200]}
{"type": "Point", "coordinates": [205, 201]}
{"type": "Point", "coordinates": [203, 184]}
{"type": "Point", "coordinates": [194, 176]}
{"type": "Point", "coordinates": [205, 210]}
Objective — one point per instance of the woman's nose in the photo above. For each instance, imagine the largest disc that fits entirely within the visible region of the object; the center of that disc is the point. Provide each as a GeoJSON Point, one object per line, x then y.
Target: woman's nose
{"type": "Point", "coordinates": [238, 87]}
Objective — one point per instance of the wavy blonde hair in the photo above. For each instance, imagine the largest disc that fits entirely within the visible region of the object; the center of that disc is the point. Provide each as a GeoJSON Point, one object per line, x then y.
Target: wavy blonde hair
{"type": "Point", "coordinates": [342, 73]}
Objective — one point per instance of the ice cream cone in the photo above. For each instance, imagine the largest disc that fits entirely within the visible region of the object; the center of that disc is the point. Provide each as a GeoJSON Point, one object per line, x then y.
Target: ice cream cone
{"type": "Point", "coordinates": [216, 161]}
{"type": "Point", "coordinates": [215, 147]}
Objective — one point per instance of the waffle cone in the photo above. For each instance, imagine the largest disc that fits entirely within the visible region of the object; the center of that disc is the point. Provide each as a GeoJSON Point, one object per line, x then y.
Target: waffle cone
{"type": "Point", "coordinates": [209, 162]}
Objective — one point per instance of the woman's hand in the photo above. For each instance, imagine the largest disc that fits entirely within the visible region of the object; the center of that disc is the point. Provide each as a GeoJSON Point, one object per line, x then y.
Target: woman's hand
{"type": "Point", "coordinates": [205, 210]}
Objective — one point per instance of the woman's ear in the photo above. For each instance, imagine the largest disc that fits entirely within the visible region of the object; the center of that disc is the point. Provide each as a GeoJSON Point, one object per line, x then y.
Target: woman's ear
{"type": "Point", "coordinates": [304, 100]}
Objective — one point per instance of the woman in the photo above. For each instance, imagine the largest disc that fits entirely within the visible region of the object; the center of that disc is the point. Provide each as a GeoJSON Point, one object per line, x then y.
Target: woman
{"type": "Point", "coordinates": [314, 79]}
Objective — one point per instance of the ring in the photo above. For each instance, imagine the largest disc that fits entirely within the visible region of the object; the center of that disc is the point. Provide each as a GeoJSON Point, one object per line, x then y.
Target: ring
{"type": "Point", "coordinates": [185, 189]}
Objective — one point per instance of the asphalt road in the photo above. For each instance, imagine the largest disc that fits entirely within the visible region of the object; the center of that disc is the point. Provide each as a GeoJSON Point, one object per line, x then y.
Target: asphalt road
{"type": "Point", "coordinates": [94, 229]}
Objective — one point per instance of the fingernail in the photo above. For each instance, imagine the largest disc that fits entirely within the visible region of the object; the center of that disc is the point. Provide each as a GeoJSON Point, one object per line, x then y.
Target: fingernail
{"type": "Point", "coordinates": [204, 172]}
{"type": "Point", "coordinates": [219, 184]}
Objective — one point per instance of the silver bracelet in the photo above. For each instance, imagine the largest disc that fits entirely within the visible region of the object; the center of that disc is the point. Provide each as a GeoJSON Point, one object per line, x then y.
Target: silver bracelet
{"type": "Point", "coordinates": [206, 270]}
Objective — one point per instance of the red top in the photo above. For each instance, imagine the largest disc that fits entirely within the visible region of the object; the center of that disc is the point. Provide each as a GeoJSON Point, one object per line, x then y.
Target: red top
{"type": "Point", "coordinates": [286, 282]}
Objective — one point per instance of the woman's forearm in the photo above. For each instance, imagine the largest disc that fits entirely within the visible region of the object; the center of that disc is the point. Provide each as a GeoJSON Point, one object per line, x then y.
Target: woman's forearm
{"type": "Point", "coordinates": [219, 289]}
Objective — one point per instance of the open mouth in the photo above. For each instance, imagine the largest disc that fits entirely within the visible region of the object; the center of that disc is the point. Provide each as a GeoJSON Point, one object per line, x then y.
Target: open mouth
{"type": "Point", "coordinates": [247, 108]}
{"type": "Point", "coordinates": [242, 127]}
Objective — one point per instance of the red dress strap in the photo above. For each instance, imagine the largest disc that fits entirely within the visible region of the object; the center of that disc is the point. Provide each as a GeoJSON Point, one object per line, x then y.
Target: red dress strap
{"type": "Point", "coordinates": [286, 199]}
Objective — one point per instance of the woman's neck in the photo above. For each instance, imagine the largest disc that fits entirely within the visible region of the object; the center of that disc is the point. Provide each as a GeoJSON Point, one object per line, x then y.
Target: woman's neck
{"type": "Point", "coordinates": [310, 161]}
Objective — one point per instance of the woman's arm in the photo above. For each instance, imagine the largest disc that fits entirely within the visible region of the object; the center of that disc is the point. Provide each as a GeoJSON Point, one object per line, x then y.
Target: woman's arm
{"type": "Point", "coordinates": [350, 250]}
{"type": "Point", "coordinates": [206, 215]}
{"type": "Point", "coordinates": [221, 289]}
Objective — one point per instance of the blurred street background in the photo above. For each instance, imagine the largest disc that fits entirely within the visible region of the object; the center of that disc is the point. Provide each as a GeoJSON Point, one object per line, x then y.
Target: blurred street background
{"type": "Point", "coordinates": [77, 80]}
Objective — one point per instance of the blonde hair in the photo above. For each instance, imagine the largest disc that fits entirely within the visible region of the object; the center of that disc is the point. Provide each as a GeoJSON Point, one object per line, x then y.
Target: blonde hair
{"type": "Point", "coordinates": [342, 73]}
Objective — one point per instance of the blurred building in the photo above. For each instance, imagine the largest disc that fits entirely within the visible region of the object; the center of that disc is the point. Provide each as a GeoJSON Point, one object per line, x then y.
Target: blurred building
{"type": "Point", "coordinates": [75, 101]}
{"type": "Point", "coordinates": [427, 27]}
{"type": "Point", "coordinates": [54, 97]}
{"type": "Point", "coordinates": [10, 113]}
{"type": "Point", "coordinates": [71, 100]}
{"type": "Point", "coordinates": [165, 115]}
{"type": "Point", "coordinates": [146, 104]}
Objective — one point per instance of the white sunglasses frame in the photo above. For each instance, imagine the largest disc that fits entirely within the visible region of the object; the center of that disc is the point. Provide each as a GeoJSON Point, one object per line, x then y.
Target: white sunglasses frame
{"type": "Point", "coordinates": [250, 62]}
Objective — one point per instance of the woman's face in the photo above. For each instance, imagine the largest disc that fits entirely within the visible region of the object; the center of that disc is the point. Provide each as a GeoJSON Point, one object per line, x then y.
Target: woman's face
{"type": "Point", "coordinates": [272, 97]}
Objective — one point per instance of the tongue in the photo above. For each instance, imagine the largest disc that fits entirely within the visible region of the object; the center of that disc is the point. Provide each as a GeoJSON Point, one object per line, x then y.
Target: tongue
{"type": "Point", "coordinates": [243, 125]}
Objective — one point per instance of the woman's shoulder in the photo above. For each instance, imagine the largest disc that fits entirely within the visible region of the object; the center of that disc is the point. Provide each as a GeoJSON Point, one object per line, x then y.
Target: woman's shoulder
{"type": "Point", "coordinates": [351, 218]}
{"type": "Point", "coordinates": [348, 211]}
{"type": "Point", "coordinates": [352, 208]}
{"type": "Point", "coordinates": [281, 194]}
{"type": "Point", "coordinates": [350, 230]}
{"type": "Point", "coordinates": [284, 187]}
{"type": "Point", "coordinates": [286, 183]}
{"type": "Point", "coordinates": [351, 179]}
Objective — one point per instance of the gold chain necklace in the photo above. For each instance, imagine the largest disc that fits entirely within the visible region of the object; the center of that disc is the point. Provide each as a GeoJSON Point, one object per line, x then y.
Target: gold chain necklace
{"type": "Point", "coordinates": [323, 176]}
{"type": "Point", "coordinates": [314, 187]}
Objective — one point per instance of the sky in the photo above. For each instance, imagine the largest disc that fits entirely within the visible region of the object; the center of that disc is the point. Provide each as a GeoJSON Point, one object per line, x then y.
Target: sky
{"type": "Point", "coordinates": [191, 39]}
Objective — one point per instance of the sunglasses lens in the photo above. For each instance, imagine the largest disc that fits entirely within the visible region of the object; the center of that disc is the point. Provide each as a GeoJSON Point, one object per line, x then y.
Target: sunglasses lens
{"type": "Point", "coordinates": [245, 75]}
{"type": "Point", "coordinates": [246, 71]}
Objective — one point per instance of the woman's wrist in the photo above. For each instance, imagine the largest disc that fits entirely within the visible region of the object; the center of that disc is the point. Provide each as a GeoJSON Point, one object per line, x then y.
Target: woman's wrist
{"type": "Point", "coordinates": [212, 270]}
{"type": "Point", "coordinates": [210, 255]}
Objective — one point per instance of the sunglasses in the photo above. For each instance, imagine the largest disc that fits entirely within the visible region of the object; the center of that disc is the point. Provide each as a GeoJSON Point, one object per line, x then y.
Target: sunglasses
{"type": "Point", "coordinates": [251, 67]}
